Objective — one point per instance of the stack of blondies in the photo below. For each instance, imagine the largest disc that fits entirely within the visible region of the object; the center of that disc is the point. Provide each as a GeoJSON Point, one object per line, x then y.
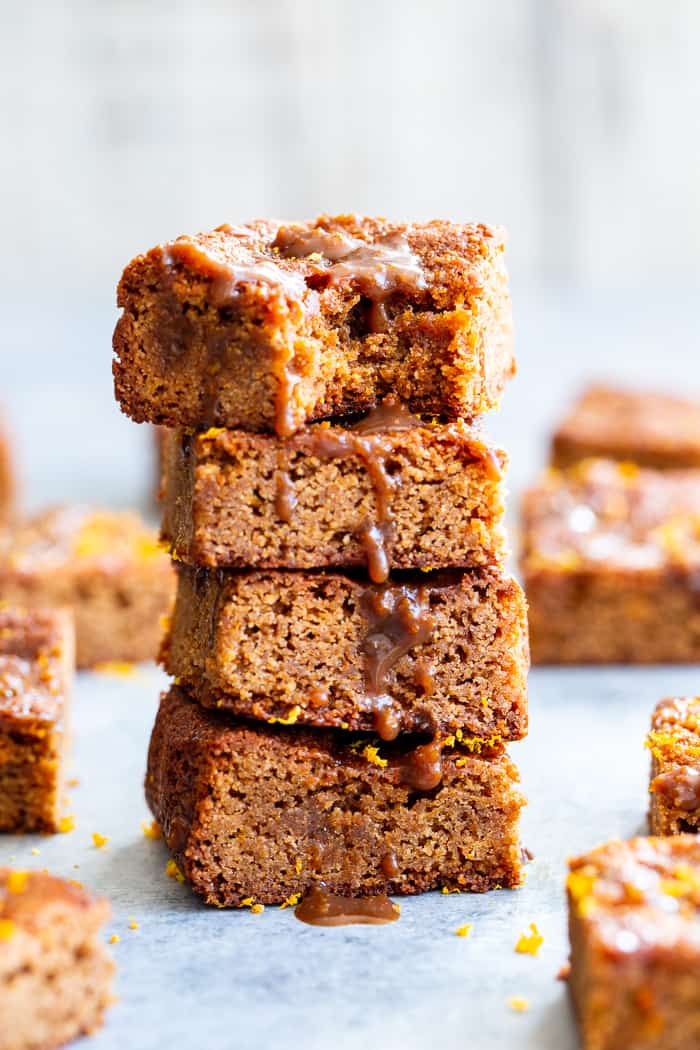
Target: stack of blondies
{"type": "Point", "coordinates": [349, 655]}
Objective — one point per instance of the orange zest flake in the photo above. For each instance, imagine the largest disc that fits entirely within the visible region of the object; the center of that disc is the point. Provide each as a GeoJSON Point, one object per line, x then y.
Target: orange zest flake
{"type": "Point", "coordinates": [7, 929]}
{"type": "Point", "coordinates": [151, 830]}
{"type": "Point", "coordinates": [99, 841]}
{"type": "Point", "coordinates": [529, 943]}
{"type": "Point", "coordinates": [291, 901]}
{"type": "Point", "coordinates": [114, 939]}
{"type": "Point", "coordinates": [35, 852]}
{"type": "Point", "coordinates": [290, 718]}
{"type": "Point", "coordinates": [298, 865]}
{"type": "Point", "coordinates": [464, 931]}
{"type": "Point", "coordinates": [173, 872]}
{"type": "Point", "coordinates": [66, 824]}
{"type": "Point", "coordinates": [519, 1003]}
{"type": "Point", "coordinates": [372, 755]}
{"type": "Point", "coordinates": [448, 889]}
{"type": "Point", "coordinates": [120, 668]}
{"type": "Point", "coordinates": [249, 902]}
{"type": "Point", "coordinates": [133, 925]}
{"type": "Point", "coordinates": [17, 881]}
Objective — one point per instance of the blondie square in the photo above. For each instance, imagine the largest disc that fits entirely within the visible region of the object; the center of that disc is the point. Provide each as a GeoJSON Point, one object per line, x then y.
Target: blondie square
{"type": "Point", "coordinates": [653, 430]}
{"type": "Point", "coordinates": [674, 742]}
{"type": "Point", "coordinates": [611, 565]}
{"type": "Point", "coordinates": [433, 651]}
{"type": "Point", "coordinates": [267, 326]}
{"type": "Point", "coordinates": [263, 813]}
{"type": "Point", "coordinates": [7, 477]}
{"type": "Point", "coordinates": [36, 672]}
{"type": "Point", "coordinates": [387, 492]}
{"type": "Point", "coordinates": [105, 565]}
{"type": "Point", "coordinates": [55, 975]}
{"type": "Point", "coordinates": [634, 924]}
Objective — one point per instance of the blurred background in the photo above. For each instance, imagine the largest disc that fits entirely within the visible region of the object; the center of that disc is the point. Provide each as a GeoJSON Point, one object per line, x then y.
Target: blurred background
{"type": "Point", "coordinates": [575, 123]}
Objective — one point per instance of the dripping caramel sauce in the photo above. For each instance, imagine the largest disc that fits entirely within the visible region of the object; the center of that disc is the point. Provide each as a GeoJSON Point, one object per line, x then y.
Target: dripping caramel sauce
{"type": "Point", "coordinates": [321, 908]}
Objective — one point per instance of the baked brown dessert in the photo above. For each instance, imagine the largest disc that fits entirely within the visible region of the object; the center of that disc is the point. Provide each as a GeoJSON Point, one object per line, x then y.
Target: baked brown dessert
{"type": "Point", "coordinates": [611, 562]}
{"type": "Point", "coordinates": [7, 477]}
{"type": "Point", "coordinates": [432, 651]}
{"type": "Point", "coordinates": [36, 671]}
{"type": "Point", "coordinates": [652, 430]}
{"type": "Point", "coordinates": [106, 565]}
{"type": "Point", "coordinates": [263, 813]}
{"type": "Point", "coordinates": [55, 975]}
{"type": "Point", "coordinates": [635, 944]}
{"type": "Point", "coordinates": [387, 492]}
{"type": "Point", "coordinates": [266, 326]}
{"type": "Point", "coordinates": [161, 438]}
{"type": "Point", "coordinates": [674, 742]}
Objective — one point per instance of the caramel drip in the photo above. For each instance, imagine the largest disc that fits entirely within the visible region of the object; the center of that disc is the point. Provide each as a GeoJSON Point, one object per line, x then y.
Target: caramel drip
{"type": "Point", "coordinates": [375, 270]}
{"type": "Point", "coordinates": [390, 865]}
{"type": "Point", "coordinates": [366, 440]}
{"type": "Point", "coordinates": [398, 619]}
{"type": "Point", "coordinates": [321, 908]}
{"type": "Point", "coordinates": [285, 493]}
{"type": "Point", "coordinates": [424, 677]}
{"type": "Point", "coordinates": [226, 279]}
{"type": "Point", "coordinates": [421, 769]}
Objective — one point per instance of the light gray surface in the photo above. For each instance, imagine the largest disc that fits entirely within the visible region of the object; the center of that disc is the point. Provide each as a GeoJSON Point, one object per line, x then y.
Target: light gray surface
{"type": "Point", "coordinates": [217, 980]}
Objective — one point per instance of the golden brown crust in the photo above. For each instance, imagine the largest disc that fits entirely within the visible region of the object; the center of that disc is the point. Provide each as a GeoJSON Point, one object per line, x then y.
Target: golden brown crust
{"type": "Point", "coordinates": [285, 645]}
{"type": "Point", "coordinates": [264, 812]}
{"type": "Point", "coordinates": [653, 430]}
{"type": "Point", "coordinates": [223, 488]}
{"type": "Point", "coordinates": [288, 340]}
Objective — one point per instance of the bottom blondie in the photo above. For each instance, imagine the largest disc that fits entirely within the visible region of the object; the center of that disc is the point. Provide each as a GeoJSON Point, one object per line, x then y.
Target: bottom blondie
{"type": "Point", "coordinates": [260, 812]}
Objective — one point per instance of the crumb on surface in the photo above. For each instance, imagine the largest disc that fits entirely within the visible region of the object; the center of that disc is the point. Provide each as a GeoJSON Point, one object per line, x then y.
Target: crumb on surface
{"type": "Point", "coordinates": [114, 939]}
{"type": "Point", "coordinates": [99, 841]}
{"type": "Point", "coordinates": [519, 1003]}
{"type": "Point", "coordinates": [173, 872]}
{"type": "Point", "coordinates": [66, 824]}
{"type": "Point", "coordinates": [151, 829]}
{"type": "Point", "coordinates": [120, 668]}
{"type": "Point", "coordinates": [529, 943]}
{"type": "Point", "coordinates": [464, 931]}
{"type": "Point", "coordinates": [35, 851]}
{"type": "Point", "coordinates": [291, 901]}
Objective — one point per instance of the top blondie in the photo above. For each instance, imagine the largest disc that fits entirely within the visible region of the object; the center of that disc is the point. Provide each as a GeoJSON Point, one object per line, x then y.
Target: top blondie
{"type": "Point", "coordinates": [266, 326]}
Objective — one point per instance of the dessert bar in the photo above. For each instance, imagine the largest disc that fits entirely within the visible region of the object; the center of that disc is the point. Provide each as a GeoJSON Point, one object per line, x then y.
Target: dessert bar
{"type": "Point", "coordinates": [107, 566]}
{"type": "Point", "coordinates": [387, 492]}
{"type": "Point", "coordinates": [267, 326]}
{"type": "Point", "coordinates": [611, 565]}
{"type": "Point", "coordinates": [36, 671]}
{"type": "Point", "coordinates": [653, 430]}
{"type": "Point", "coordinates": [634, 924]}
{"type": "Point", "coordinates": [427, 651]}
{"type": "Point", "coordinates": [264, 813]}
{"type": "Point", "coordinates": [674, 742]}
{"type": "Point", "coordinates": [55, 975]}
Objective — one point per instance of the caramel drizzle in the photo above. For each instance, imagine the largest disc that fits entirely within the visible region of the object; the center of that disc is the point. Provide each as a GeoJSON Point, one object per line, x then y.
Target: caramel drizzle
{"type": "Point", "coordinates": [365, 441]}
{"type": "Point", "coordinates": [399, 619]}
{"type": "Point", "coordinates": [321, 908]}
{"type": "Point", "coordinates": [376, 270]}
